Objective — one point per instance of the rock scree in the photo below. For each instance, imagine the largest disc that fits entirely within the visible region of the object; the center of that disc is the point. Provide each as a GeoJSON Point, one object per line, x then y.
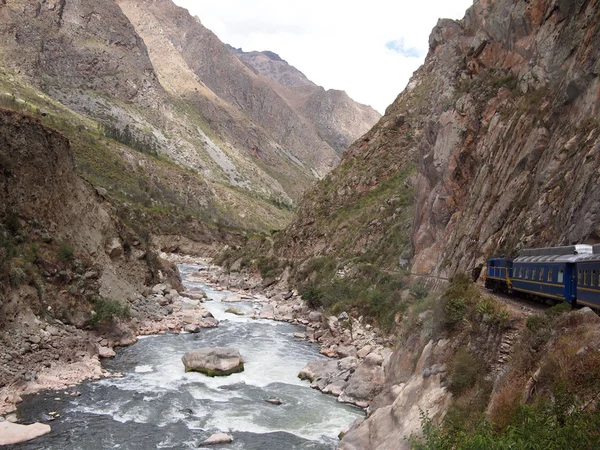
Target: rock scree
{"type": "Point", "coordinates": [214, 361]}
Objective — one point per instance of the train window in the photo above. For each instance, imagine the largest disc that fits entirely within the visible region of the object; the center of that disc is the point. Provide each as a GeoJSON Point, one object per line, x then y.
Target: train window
{"type": "Point", "coordinates": [594, 278]}
{"type": "Point", "coordinates": [520, 272]}
{"type": "Point", "coordinates": [549, 274]}
{"type": "Point", "coordinates": [580, 277]}
{"type": "Point", "coordinates": [586, 277]}
{"type": "Point", "coordinates": [527, 273]}
{"type": "Point", "coordinates": [542, 274]}
{"type": "Point", "coordinates": [561, 275]}
{"type": "Point", "coordinates": [533, 274]}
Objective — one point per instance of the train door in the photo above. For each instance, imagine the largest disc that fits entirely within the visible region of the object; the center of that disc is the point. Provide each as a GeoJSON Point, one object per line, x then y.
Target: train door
{"type": "Point", "coordinates": [570, 282]}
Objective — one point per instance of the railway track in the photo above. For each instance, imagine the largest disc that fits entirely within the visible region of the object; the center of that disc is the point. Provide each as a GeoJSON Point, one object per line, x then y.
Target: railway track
{"type": "Point", "coordinates": [523, 306]}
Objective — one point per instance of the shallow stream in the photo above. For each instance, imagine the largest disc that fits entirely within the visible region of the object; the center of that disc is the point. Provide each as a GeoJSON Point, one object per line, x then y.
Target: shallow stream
{"type": "Point", "coordinates": [157, 405]}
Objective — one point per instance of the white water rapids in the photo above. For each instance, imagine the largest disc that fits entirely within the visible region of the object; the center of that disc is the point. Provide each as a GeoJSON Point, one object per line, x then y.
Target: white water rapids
{"type": "Point", "coordinates": [157, 405]}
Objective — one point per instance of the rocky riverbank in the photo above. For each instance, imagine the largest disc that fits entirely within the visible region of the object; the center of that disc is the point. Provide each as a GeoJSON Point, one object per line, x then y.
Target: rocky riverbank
{"type": "Point", "coordinates": [46, 354]}
{"type": "Point", "coordinates": [43, 353]}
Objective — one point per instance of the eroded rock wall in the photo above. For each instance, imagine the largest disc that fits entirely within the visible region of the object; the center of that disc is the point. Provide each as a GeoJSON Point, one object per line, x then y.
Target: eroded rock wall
{"type": "Point", "coordinates": [501, 126]}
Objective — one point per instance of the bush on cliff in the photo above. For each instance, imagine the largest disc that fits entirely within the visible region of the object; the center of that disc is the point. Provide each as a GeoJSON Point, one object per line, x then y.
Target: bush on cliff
{"type": "Point", "coordinates": [107, 310]}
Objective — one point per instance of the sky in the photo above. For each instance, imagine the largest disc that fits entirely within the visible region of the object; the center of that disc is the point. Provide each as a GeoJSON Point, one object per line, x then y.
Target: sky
{"type": "Point", "coordinates": [367, 48]}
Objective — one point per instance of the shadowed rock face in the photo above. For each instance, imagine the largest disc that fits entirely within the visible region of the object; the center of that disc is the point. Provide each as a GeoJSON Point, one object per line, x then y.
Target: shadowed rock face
{"type": "Point", "coordinates": [38, 182]}
{"type": "Point", "coordinates": [501, 127]}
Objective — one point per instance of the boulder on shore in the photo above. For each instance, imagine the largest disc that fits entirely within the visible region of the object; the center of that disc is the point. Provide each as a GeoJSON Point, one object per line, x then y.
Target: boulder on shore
{"type": "Point", "coordinates": [214, 361]}
{"type": "Point", "coordinates": [12, 433]}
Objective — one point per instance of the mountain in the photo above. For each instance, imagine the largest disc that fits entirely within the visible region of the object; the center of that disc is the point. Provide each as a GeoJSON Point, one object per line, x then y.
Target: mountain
{"type": "Point", "coordinates": [334, 116]}
{"type": "Point", "coordinates": [490, 148]}
{"type": "Point", "coordinates": [160, 114]}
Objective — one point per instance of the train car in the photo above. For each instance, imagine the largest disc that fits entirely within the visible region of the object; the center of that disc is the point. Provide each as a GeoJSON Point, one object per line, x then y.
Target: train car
{"type": "Point", "coordinates": [588, 279]}
{"type": "Point", "coordinates": [498, 273]}
{"type": "Point", "coordinates": [550, 277]}
{"type": "Point", "coordinates": [548, 273]}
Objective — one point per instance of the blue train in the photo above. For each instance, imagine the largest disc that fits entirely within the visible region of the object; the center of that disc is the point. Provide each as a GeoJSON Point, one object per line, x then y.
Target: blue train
{"type": "Point", "coordinates": [561, 274]}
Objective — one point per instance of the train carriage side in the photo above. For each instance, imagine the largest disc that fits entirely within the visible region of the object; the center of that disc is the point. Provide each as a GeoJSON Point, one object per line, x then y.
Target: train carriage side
{"type": "Point", "coordinates": [547, 276]}
{"type": "Point", "coordinates": [588, 281]}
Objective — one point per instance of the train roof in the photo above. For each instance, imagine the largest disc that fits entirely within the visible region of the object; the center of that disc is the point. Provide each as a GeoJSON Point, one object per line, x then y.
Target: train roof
{"type": "Point", "coordinates": [576, 249]}
{"type": "Point", "coordinates": [555, 258]}
{"type": "Point", "coordinates": [595, 257]}
{"type": "Point", "coordinates": [596, 249]}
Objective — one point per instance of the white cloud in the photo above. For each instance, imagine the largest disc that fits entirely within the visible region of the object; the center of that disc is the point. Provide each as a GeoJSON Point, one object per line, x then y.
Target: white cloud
{"type": "Point", "coordinates": [369, 49]}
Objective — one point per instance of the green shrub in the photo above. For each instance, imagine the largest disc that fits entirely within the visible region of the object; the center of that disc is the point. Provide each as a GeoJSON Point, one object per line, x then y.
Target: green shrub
{"type": "Point", "coordinates": [540, 426]}
{"type": "Point", "coordinates": [65, 252]}
{"type": "Point", "coordinates": [313, 296]}
{"type": "Point", "coordinates": [465, 371]}
{"type": "Point", "coordinates": [267, 266]}
{"type": "Point", "coordinates": [418, 290]}
{"type": "Point", "coordinates": [107, 310]}
{"type": "Point", "coordinates": [456, 309]}
{"type": "Point", "coordinates": [12, 223]}
{"type": "Point", "coordinates": [559, 309]}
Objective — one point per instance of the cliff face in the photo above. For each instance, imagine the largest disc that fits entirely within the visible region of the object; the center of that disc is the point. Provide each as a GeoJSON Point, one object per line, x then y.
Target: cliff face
{"type": "Point", "coordinates": [335, 117]}
{"type": "Point", "coordinates": [501, 127]}
{"type": "Point", "coordinates": [65, 46]}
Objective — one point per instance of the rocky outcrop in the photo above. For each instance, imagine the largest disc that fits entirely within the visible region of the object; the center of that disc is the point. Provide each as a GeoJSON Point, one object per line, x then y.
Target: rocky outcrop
{"type": "Point", "coordinates": [495, 136]}
{"type": "Point", "coordinates": [39, 183]}
{"type": "Point", "coordinates": [214, 361]}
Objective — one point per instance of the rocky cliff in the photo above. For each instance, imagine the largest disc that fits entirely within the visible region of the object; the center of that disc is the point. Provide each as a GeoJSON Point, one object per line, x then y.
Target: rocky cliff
{"type": "Point", "coordinates": [495, 136]}
{"type": "Point", "coordinates": [337, 118]}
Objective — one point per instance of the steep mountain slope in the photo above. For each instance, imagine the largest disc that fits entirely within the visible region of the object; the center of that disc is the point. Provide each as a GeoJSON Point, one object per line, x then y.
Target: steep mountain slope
{"type": "Point", "coordinates": [337, 118]}
{"type": "Point", "coordinates": [81, 67]}
{"type": "Point", "coordinates": [168, 121]}
{"type": "Point", "coordinates": [496, 135]}
{"type": "Point", "coordinates": [159, 22]}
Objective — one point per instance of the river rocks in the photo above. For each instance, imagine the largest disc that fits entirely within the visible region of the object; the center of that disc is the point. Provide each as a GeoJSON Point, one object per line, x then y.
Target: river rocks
{"type": "Point", "coordinates": [315, 316]}
{"type": "Point", "coordinates": [234, 311]}
{"type": "Point", "coordinates": [192, 328]}
{"type": "Point", "coordinates": [218, 438]}
{"type": "Point", "coordinates": [318, 368]}
{"type": "Point", "coordinates": [364, 351]}
{"type": "Point", "coordinates": [106, 352]}
{"type": "Point", "coordinates": [12, 433]}
{"type": "Point", "coordinates": [214, 361]}
{"type": "Point", "coordinates": [198, 294]}
{"type": "Point", "coordinates": [273, 401]}
{"type": "Point", "coordinates": [350, 379]}
{"type": "Point", "coordinates": [161, 289]}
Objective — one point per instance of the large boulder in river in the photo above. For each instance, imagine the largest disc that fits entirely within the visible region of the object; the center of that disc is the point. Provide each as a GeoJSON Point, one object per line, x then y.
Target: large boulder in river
{"type": "Point", "coordinates": [214, 361]}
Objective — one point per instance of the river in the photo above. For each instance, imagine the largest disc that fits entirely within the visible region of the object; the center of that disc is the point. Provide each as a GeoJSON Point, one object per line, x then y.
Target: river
{"type": "Point", "coordinates": [157, 405]}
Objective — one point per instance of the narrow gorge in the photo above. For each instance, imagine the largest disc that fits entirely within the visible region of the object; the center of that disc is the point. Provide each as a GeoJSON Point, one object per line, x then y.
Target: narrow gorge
{"type": "Point", "coordinates": [200, 245]}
